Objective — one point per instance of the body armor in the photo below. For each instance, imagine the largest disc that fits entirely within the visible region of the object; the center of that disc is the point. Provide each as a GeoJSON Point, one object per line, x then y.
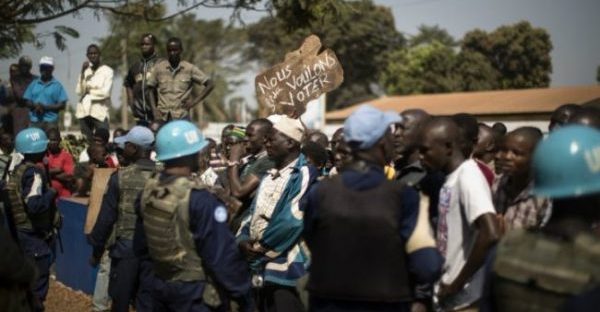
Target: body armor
{"type": "Point", "coordinates": [356, 248]}
{"type": "Point", "coordinates": [537, 272]}
{"type": "Point", "coordinates": [131, 182]}
{"type": "Point", "coordinates": [165, 211]}
{"type": "Point", "coordinates": [41, 223]}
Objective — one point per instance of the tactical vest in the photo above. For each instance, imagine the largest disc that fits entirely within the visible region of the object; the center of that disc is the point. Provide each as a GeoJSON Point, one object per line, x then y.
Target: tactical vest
{"type": "Point", "coordinates": [41, 223]}
{"type": "Point", "coordinates": [356, 248]}
{"type": "Point", "coordinates": [131, 182]}
{"type": "Point", "coordinates": [535, 272]}
{"type": "Point", "coordinates": [165, 211]}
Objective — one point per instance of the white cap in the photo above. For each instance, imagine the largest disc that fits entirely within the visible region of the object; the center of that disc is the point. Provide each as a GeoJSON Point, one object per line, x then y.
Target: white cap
{"type": "Point", "coordinates": [274, 118]}
{"type": "Point", "coordinates": [47, 60]}
{"type": "Point", "coordinates": [292, 128]}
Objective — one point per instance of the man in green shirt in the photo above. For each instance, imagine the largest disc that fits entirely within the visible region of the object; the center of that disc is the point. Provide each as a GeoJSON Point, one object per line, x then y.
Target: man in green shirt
{"type": "Point", "coordinates": [180, 84]}
{"type": "Point", "coordinates": [244, 182]}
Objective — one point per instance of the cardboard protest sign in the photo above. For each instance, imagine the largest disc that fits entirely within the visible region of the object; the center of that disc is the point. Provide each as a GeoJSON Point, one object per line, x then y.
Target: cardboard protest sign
{"type": "Point", "coordinates": [303, 76]}
{"type": "Point", "coordinates": [99, 184]}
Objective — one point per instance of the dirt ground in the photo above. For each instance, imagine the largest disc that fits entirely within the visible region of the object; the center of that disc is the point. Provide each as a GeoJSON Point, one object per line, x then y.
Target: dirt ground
{"type": "Point", "coordinates": [62, 298]}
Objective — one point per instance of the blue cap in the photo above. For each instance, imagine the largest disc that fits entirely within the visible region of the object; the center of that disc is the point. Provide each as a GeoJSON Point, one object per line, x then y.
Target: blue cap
{"type": "Point", "coordinates": [138, 135]}
{"type": "Point", "coordinates": [365, 126]}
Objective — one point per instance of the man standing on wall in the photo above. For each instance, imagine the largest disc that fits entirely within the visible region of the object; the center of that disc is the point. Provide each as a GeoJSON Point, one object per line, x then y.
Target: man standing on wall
{"type": "Point", "coordinates": [45, 97]}
{"type": "Point", "coordinates": [93, 89]}
{"type": "Point", "coordinates": [136, 83]}
{"type": "Point", "coordinates": [178, 83]}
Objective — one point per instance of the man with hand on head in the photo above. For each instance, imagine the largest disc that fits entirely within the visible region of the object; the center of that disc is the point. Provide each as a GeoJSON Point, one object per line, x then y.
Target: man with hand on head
{"type": "Point", "coordinates": [243, 181]}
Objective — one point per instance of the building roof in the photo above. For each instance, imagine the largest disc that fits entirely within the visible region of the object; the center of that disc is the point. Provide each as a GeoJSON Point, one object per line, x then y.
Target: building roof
{"type": "Point", "coordinates": [484, 103]}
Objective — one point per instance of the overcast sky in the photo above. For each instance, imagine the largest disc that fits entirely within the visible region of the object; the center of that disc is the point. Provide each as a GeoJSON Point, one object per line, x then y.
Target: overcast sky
{"type": "Point", "coordinates": [573, 25]}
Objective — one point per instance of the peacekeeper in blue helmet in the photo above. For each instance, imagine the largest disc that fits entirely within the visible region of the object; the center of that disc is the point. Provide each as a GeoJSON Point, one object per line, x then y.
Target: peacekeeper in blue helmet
{"type": "Point", "coordinates": [116, 221]}
{"type": "Point", "coordinates": [183, 228]}
{"type": "Point", "coordinates": [31, 208]}
{"type": "Point", "coordinates": [541, 270]}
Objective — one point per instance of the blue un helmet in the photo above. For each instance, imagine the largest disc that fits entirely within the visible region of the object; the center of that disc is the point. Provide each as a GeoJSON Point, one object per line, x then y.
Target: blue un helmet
{"type": "Point", "coordinates": [178, 138]}
{"type": "Point", "coordinates": [31, 141]}
{"type": "Point", "coordinates": [567, 163]}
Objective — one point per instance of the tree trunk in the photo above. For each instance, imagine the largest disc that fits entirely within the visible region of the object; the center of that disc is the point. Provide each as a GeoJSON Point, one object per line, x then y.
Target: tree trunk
{"type": "Point", "coordinates": [124, 67]}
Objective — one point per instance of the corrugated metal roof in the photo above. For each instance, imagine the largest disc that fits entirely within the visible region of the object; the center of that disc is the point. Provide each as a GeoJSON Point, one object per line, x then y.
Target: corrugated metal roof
{"type": "Point", "coordinates": [502, 102]}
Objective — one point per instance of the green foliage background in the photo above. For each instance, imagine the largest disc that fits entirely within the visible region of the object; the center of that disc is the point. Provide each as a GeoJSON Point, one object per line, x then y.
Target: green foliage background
{"type": "Point", "coordinates": [374, 54]}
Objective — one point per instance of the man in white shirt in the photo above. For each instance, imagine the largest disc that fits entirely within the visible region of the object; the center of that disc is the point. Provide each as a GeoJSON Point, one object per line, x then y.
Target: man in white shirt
{"type": "Point", "coordinates": [93, 89]}
{"type": "Point", "coordinates": [467, 227]}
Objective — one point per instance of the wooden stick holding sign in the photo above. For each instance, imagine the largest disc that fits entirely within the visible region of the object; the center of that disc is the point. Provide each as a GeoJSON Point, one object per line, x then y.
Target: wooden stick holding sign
{"type": "Point", "coordinates": [99, 185]}
{"type": "Point", "coordinates": [303, 76]}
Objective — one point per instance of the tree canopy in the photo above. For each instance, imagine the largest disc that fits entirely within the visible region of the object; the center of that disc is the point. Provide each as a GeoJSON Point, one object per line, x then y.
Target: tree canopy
{"type": "Point", "coordinates": [520, 53]}
{"type": "Point", "coordinates": [18, 18]}
{"type": "Point", "coordinates": [511, 57]}
{"type": "Point", "coordinates": [373, 53]}
{"type": "Point", "coordinates": [430, 34]}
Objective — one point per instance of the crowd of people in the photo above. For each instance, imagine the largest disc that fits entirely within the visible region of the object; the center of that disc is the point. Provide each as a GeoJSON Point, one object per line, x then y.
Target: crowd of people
{"type": "Point", "coordinates": [396, 212]}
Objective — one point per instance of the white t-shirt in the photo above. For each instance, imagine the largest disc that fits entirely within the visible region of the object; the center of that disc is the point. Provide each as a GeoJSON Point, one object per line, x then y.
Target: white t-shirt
{"type": "Point", "coordinates": [463, 198]}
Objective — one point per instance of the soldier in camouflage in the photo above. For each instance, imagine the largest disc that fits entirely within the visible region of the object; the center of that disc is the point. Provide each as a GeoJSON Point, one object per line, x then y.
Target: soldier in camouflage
{"type": "Point", "coordinates": [115, 225]}
{"type": "Point", "coordinates": [541, 270]}
{"type": "Point", "coordinates": [183, 228]}
{"type": "Point", "coordinates": [31, 210]}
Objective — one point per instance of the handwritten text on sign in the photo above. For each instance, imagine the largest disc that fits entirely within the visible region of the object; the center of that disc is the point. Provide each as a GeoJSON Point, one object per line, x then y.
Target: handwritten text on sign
{"type": "Point", "coordinates": [302, 77]}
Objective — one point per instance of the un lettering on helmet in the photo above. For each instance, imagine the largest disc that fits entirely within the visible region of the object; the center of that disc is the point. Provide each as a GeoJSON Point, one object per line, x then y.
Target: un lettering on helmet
{"type": "Point", "coordinates": [191, 136]}
{"type": "Point", "coordinates": [34, 136]}
{"type": "Point", "coordinates": [592, 159]}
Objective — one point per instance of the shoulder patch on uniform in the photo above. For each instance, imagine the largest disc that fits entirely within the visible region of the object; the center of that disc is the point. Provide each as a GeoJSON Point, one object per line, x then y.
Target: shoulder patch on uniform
{"type": "Point", "coordinates": [221, 214]}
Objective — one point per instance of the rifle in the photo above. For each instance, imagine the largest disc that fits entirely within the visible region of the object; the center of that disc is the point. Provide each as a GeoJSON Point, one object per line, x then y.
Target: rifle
{"type": "Point", "coordinates": [56, 224]}
{"type": "Point", "coordinates": [7, 205]}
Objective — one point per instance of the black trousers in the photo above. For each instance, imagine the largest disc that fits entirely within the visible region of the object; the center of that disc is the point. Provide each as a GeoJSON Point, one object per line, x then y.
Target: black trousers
{"type": "Point", "coordinates": [123, 283]}
{"type": "Point", "coordinates": [42, 282]}
{"type": "Point", "coordinates": [89, 124]}
{"type": "Point", "coordinates": [278, 298]}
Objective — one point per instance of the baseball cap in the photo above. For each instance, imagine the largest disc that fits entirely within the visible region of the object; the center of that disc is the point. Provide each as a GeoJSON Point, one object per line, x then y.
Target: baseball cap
{"type": "Point", "coordinates": [291, 127]}
{"type": "Point", "coordinates": [47, 60]}
{"type": "Point", "coordinates": [138, 135]}
{"type": "Point", "coordinates": [274, 118]}
{"type": "Point", "coordinates": [236, 132]}
{"type": "Point", "coordinates": [365, 126]}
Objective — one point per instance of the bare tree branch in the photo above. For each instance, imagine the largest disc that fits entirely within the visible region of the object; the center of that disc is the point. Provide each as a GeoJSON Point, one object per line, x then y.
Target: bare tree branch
{"type": "Point", "coordinates": [117, 11]}
{"type": "Point", "coordinates": [49, 17]}
{"type": "Point", "coordinates": [204, 3]}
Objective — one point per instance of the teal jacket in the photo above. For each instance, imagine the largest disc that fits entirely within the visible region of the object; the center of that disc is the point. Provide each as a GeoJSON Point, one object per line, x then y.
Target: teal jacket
{"type": "Point", "coordinates": [287, 257]}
